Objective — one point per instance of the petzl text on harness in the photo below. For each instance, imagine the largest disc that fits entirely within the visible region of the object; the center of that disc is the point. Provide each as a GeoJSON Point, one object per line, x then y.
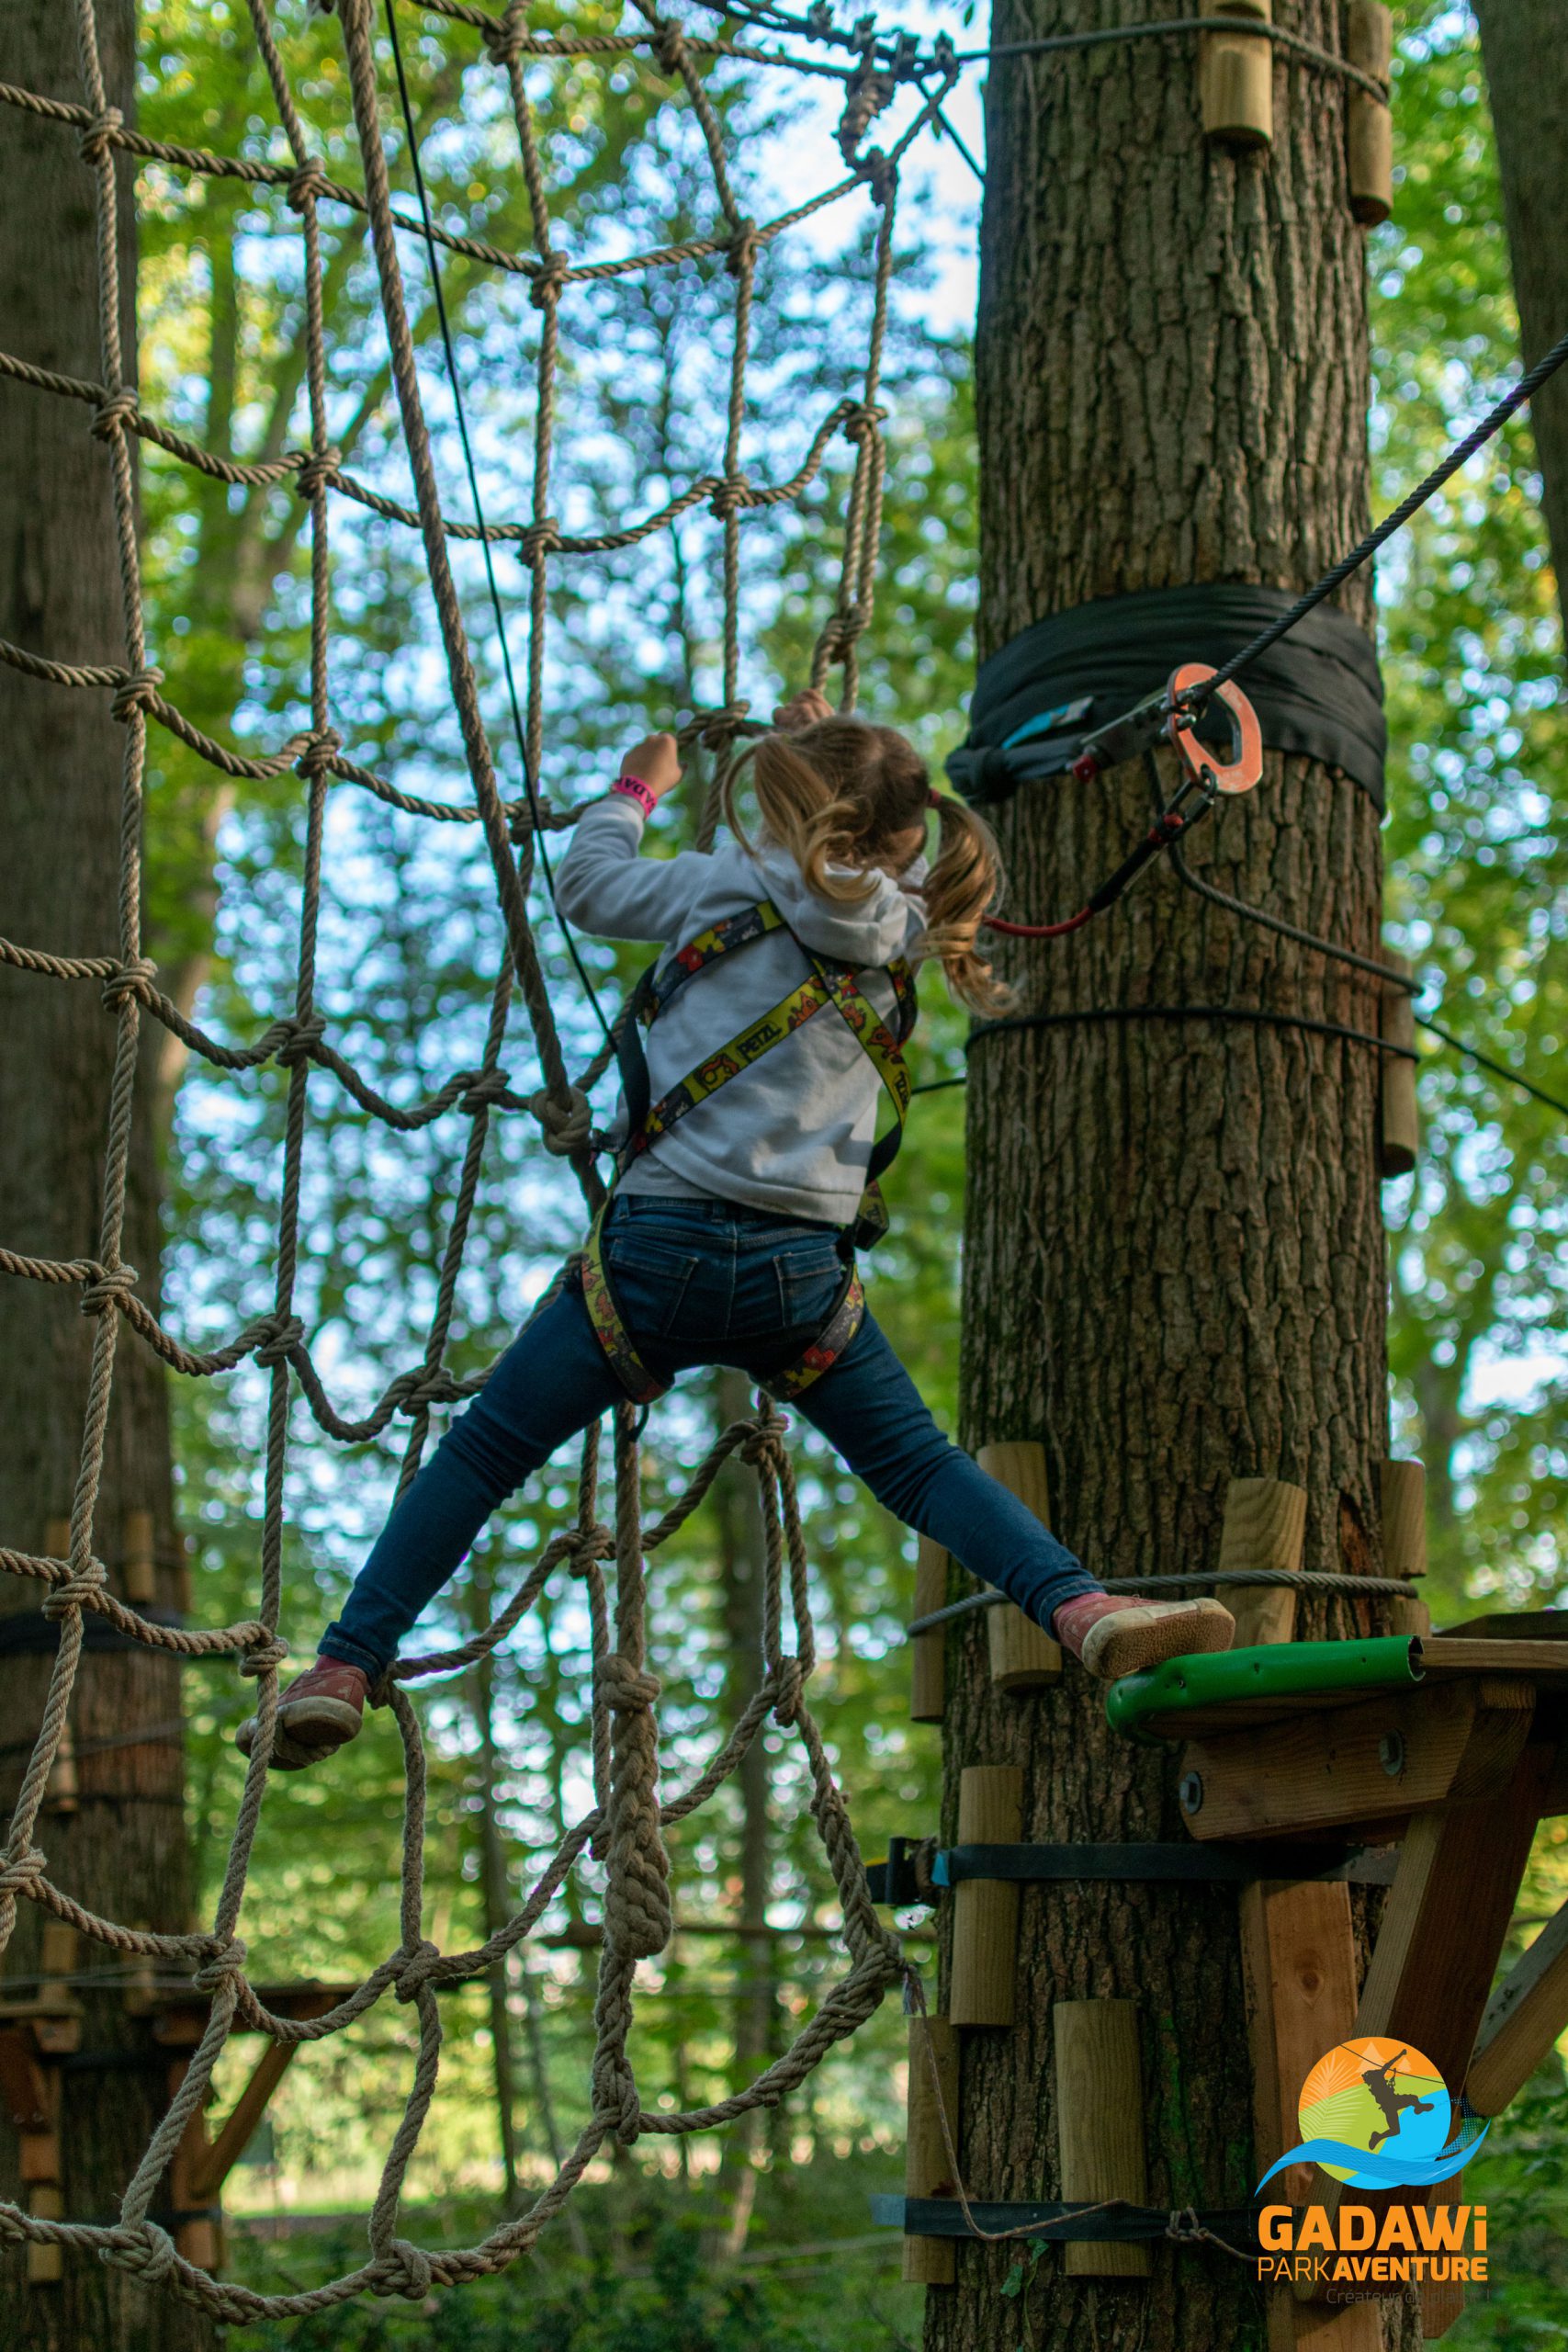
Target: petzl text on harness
{"type": "Point", "coordinates": [828, 984]}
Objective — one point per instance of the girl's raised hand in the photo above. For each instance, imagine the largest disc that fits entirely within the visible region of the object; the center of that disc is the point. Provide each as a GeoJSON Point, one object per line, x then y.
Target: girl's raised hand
{"type": "Point", "coordinates": [803, 709]}
{"type": "Point", "coordinates": [655, 762]}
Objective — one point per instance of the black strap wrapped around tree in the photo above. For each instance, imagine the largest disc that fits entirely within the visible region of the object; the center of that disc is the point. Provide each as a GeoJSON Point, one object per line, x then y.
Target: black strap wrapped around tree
{"type": "Point", "coordinates": [1317, 692]}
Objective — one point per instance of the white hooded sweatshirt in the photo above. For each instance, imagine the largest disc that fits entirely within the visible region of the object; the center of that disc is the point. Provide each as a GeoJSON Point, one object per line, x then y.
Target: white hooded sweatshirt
{"type": "Point", "coordinates": [793, 1133]}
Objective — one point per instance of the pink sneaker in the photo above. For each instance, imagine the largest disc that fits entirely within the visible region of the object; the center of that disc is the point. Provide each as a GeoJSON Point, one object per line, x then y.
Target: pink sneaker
{"type": "Point", "coordinates": [1110, 1638]}
{"type": "Point", "coordinates": [320, 1712]}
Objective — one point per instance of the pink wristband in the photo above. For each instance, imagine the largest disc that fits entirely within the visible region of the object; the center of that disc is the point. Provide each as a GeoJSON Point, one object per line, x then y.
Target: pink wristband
{"type": "Point", "coordinates": [634, 788]}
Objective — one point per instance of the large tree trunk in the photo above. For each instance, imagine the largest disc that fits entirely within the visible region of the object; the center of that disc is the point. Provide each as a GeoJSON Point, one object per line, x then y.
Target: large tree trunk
{"type": "Point", "coordinates": [123, 1851]}
{"type": "Point", "coordinates": [1175, 1262]}
{"type": "Point", "coordinates": [1527, 73]}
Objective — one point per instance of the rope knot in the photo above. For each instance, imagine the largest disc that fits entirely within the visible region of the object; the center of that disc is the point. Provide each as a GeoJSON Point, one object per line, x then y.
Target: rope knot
{"type": "Point", "coordinates": [111, 1286]}
{"type": "Point", "coordinates": [116, 409]}
{"type": "Point", "coordinates": [744, 245]}
{"type": "Point", "coordinates": [549, 276]}
{"type": "Point", "coordinates": [98, 136]}
{"type": "Point", "coordinates": [138, 691]}
{"type": "Point", "coordinates": [730, 497]}
{"type": "Point", "coordinates": [669, 47]}
{"type": "Point", "coordinates": [415, 1970]}
{"type": "Point", "coordinates": [482, 1088]}
{"type": "Point", "coordinates": [861, 421]}
{"type": "Point", "coordinates": [307, 184]}
{"type": "Point", "coordinates": [270, 1649]}
{"type": "Point", "coordinates": [503, 36]}
{"type": "Point", "coordinates": [566, 1127]}
{"type": "Point", "coordinates": [75, 1592]}
{"type": "Point", "coordinates": [318, 471]}
{"type": "Point", "coordinates": [882, 173]}
{"type": "Point", "coordinates": [539, 539]}
{"type": "Point", "coordinates": [321, 748]}
{"type": "Point", "coordinates": [129, 981]}
{"type": "Point", "coordinates": [628, 1689]}
{"type": "Point", "coordinates": [586, 1544]}
{"type": "Point", "coordinates": [22, 1873]}
{"type": "Point", "coordinates": [147, 2250]}
{"type": "Point", "coordinates": [299, 1039]}
{"type": "Point", "coordinates": [402, 2270]}
{"type": "Point", "coordinates": [224, 1960]}
{"type": "Point", "coordinates": [279, 1336]}
{"type": "Point", "coordinates": [789, 1681]}
{"type": "Point", "coordinates": [719, 727]}
{"type": "Point", "coordinates": [763, 1442]}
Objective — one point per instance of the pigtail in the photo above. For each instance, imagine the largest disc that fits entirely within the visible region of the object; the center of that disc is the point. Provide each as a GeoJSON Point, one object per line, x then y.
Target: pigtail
{"type": "Point", "coordinates": [961, 886]}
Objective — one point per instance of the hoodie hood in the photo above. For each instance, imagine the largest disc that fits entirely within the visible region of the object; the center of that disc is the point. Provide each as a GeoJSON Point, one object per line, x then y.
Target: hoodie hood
{"type": "Point", "coordinates": [869, 931]}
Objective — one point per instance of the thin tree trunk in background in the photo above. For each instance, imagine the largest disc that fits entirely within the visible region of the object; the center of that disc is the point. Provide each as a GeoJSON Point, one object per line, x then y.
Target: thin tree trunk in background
{"type": "Point", "coordinates": [742, 1564]}
{"type": "Point", "coordinates": [1526, 58]}
{"type": "Point", "coordinates": [1175, 1262]}
{"type": "Point", "coordinates": [496, 1890]}
{"type": "Point", "coordinates": [124, 1853]}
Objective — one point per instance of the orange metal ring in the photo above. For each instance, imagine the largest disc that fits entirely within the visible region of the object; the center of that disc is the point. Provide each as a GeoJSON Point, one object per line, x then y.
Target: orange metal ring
{"type": "Point", "coordinates": [1241, 771]}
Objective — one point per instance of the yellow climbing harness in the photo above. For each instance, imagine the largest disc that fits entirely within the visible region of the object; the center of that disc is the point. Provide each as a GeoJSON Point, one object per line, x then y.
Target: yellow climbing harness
{"type": "Point", "coordinates": [827, 983]}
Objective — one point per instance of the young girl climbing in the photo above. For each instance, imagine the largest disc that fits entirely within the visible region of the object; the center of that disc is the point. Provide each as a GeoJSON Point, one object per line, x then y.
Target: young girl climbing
{"type": "Point", "coordinates": [769, 1029]}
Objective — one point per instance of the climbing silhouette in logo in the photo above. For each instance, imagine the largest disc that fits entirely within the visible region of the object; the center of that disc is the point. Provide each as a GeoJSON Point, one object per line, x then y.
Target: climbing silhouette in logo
{"type": "Point", "coordinates": [1376, 2113]}
{"type": "Point", "coordinates": [1378, 2081]}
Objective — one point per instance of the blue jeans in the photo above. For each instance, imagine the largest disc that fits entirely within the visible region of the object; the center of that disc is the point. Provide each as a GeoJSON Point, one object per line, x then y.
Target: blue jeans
{"type": "Point", "coordinates": [698, 1282]}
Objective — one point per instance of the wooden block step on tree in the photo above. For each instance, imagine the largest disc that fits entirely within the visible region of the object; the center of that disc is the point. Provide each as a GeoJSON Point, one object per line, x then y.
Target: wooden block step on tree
{"type": "Point", "coordinates": [1402, 1489]}
{"type": "Point", "coordinates": [1264, 1527]}
{"type": "Point", "coordinates": [985, 1911]}
{"type": "Point", "coordinates": [1369, 129]}
{"type": "Point", "coordinates": [927, 2165]}
{"type": "Point", "coordinates": [1236, 78]}
{"type": "Point", "coordinates": [1023, 1656]}
{"type": "Point", "coordinates": [1099, 2126]}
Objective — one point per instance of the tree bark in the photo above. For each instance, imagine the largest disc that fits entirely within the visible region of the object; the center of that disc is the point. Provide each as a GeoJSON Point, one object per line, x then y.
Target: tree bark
{"type": "Point", "coordinates": [123, 1851]}
{"type": "Point", "coordinates": [1527, 73]}
{"type": "Point", "coordinates": [1174, 1256]}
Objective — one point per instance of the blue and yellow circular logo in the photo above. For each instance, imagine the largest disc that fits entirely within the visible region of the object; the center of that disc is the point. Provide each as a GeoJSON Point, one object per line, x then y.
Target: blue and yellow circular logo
{"type": "Point", "coordinates": [1384, 2098]}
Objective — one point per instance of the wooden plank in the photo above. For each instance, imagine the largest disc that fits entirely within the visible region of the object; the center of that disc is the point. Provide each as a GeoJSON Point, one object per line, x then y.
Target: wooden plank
{"type": "Point", "coordinates": [985, 1911]}
{"type": "Point", "coordinates": [1099, 2125]}
{"type": "Point", "coordinates": [46, 2262]}
{"type": "Point", "coordinates": [928, 1652]}
{"type": "Point", "coordinates": [1399, 1126]}
{"type": "Point", "coordinates": [1299, 1973]}
{"type": "Point", "coordinates": [1515, 1625]}
{"type": "Point", "coordinates": [1022, 1654]}
{"type": "Point", "coordinates": [1373, 1764]}
{"type": "Point", "coordinates": [1446, 1655]}
{"type": "Point", "coordinates": [1265, 1526]}
{"type": "Point", "coordinates": [1523, 2020]}
{"type": "Point", "coordinates": [928, 2169]}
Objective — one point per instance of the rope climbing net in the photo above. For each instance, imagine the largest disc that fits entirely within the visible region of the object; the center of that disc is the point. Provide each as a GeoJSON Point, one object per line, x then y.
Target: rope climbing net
{"type": "Point", "coordinates": [624, 1828]}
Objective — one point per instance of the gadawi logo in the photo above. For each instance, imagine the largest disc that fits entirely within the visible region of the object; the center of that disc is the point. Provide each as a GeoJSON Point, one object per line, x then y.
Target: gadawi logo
{"type": "Point", "coordinates": [1377, 2114]}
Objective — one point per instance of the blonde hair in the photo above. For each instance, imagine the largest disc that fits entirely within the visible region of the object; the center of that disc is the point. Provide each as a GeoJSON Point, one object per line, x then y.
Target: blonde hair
{"type": "Point", "coordinates": [834, 795]}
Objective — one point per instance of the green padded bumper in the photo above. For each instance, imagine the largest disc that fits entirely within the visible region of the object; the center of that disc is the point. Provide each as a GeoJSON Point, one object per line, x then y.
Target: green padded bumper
{"type": "Point", "coordinates": [1278, 1669]}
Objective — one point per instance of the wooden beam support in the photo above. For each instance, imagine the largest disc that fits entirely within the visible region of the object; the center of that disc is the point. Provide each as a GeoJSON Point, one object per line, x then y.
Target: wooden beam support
{"type": "Point", "coordinates": [927, 2168]}
{"type": "Point", "coordinates": [1265, 1527]}
{"type": "Point", "coordinates": [1442, 2299]}
{"type": "Point", "coordinates": [928, 1652]}
{"type": "Point", "coordinates": [1523, 2020]}
{"type": "Point", "coordinates": [1023, 1656]}
{"type": "Point", "coordinates": [1368, 1767]}
{"type": "Point", "coordinates": [211, 2164]}
{"type": "Point", "coordinates": [1099, 2126]}
{"type": "Point", "coordinates": [985, 1911]}
{"type": "Point", "coordinates": [1298, 1955]}
{"type": "Point", "coordinates": [1447, 1919]}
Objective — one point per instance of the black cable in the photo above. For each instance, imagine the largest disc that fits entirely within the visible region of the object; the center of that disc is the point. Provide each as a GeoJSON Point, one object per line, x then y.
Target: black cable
{"type": "Point", "coordinates": [1361, 553]}
{"type": "Point", "coordinates": [1261, 1014]}
{"type": "Point", "coordinates": [530, 781]}
{"type": "Point", "coordinates": [1498, 1069]}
